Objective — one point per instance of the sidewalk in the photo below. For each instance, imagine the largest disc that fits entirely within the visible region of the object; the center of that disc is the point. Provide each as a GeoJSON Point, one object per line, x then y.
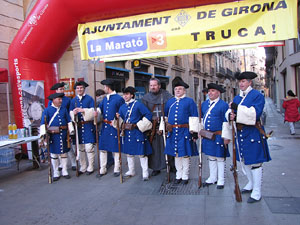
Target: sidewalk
{"type": "Point", "coordinates": [27, 198]}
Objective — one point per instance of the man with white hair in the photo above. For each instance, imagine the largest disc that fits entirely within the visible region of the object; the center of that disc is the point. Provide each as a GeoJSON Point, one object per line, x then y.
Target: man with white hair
{"type": "Point", "coordinates": [58, 122]}
{"type": "Point", "coordinates": [251, 139]}
{"type": "Point", "coordinates": [66, 101]}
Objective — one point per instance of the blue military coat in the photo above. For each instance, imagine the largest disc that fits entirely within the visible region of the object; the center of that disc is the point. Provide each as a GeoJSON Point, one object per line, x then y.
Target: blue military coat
{"type": "Point", "coordinates": [214, 119]}
{"type": "Point", "coordinates": [252, 145]}
{"type": "Point", "coordinates": [66, 101]}
{"type": "Point", "coordinates": [135, 142]}
{"type": "Point", "coordinates": [57, 142]}
{"type": "Point", "coordinates": [180, 140]}
{"type": "Point", "coordinates": [86, 133]}
{"type": "Point", "coordinates": [108, 139]}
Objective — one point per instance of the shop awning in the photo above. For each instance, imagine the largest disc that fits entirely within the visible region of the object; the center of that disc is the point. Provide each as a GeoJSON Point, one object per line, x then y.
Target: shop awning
{"type": "Point", "coordinates": [162, 76]}
{"type": "Point", "coordinates": [143, 73]}
{"type": "Point", "coordinates": [117, 68]}
{"type": "Point", "coordinates": [3, 75]}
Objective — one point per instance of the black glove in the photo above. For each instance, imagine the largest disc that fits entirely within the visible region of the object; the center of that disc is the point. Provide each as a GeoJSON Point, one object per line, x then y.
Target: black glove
{"type": "Point", "coordinates": [234, 106]}
{"type": "Point", "coordinates": [194, 136]}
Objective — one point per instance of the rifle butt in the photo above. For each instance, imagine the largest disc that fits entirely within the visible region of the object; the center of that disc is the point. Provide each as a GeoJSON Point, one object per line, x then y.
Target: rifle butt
{"type": "Point", "coordinates": [238, 195]}
{"type": "Point", "coordinates": [119, 149]}
{"type": "Point", "coordinates": [50, 176]}
{"type": "Point", "coordinates": [237, 191]}
{"type": "Point", "coordinates": [200, 178]}
{"type": "Point", "coordinates": [77, 168]}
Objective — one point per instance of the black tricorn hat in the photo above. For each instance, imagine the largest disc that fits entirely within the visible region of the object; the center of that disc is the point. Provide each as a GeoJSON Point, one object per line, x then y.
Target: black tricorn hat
{"type": "Point", "coordinates": [56, 95]}
{"type": "Point", "coordinates": [177, 81]}
{"type": "Point", "coordinates": [291, 93]}
{"type": "Point", "coordinates": [215, 86]}
{"type": "Point", "coordinates": [130, 90]}
{"type": "Point", "coordinates": [57, 85]}
{"type": "Point", "coordinates": [245, 75]}
{"type": "Point", "coordinates": [107, 82]}
{"type": "Point", "coordinates": [80, 83]}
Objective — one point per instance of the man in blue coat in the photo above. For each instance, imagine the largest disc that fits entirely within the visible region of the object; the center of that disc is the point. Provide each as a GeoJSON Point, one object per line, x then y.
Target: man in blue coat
{"type": "Point", "coordinates": [82, 107]}
{"type": "Point", "coordinates": [58, 121]}
{"type": "Point", "coordinates": [108, 140]}
{"type": "Point", "coordinates": [60, 88]}
{"type": "Point", "coordinates": [182, 127]}
{"type": "Point", "coordinates": [136, 120]}
{"type": "Point", "coordinates": [213, 116]}
{"type": "Point", "coordinates": [251, 140]}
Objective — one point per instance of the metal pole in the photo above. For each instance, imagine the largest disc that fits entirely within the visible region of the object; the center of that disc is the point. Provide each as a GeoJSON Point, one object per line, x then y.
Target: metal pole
{"type": "Point", "coordinates": [7, 96]}
{"type": "Point", "coordinates": [245, 67]}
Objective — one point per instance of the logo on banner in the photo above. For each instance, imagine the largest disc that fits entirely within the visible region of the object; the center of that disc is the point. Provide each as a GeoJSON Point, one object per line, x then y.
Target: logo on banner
{"type": "Point", "coordinates": [157, 40]}
{"type": "Point", "coordinates": [118, 45]}
{"type": "Point", "coordinates": [182, 18]}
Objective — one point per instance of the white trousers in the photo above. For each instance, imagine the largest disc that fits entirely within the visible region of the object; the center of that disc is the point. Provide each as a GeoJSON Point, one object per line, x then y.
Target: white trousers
{"type": "Point", "coordinates": [103, 162]}
{"type": "Point", "coordinates": [55, 162]}
{"type": "Point", "coordinates": [71, 157]}
{"type": "Point", "coordinates": [254, 175]}
{"type": "Point", "coordinates": [86, 157]}
{"type": "Point", "coordinates": [182, 165]}
{"type": "Point", "coordinates": [216, 170]}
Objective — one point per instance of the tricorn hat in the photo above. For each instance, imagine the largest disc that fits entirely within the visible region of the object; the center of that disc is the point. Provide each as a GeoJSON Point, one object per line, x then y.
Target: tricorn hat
{"type": "Point", "coordinates": [130, 90]}
{"type": "Point", "coordinates": [57, 85]}
{"type": "Point", "coordinates": [245, 75]}
{"type": "Point", "coordinates": [107, 82]}
{"type": "Point", "coordinates": [56, 95]}
{"type": "Point", "coordinates": [215, 86]}
{"type": "Point", "coordinates": [80, 83]}
{"type": "Point", "coordinates": [177, 81]}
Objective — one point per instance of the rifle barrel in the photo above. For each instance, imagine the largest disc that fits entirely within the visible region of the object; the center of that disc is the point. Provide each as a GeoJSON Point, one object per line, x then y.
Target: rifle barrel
{"type": "Point", "coordinates": [119, 147]}
{"type": "Point", "coordinates": [237, 192]}
{"type": "Point", "coordinates": [48, 151]}
{"type": "Point", "coordinates": [200, 151]}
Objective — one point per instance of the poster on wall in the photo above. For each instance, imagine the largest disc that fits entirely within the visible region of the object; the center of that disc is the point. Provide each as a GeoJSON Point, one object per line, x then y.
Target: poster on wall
{"type": "Point", "coordinates": [69, 87]}
{"type": "Point", "coordinates": [33, 101]}
{"type": "Point", "coordinates": [140, 92]}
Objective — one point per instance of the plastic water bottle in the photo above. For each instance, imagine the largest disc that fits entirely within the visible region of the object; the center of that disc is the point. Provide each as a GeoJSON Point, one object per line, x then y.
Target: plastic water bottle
{"type": "Point", "coordinates": [10, 131]}
{"type": "Point", "coordinates": [14, 129]}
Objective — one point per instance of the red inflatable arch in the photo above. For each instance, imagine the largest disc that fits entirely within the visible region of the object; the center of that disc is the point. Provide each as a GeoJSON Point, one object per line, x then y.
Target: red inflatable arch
{"type": "Point", "coordinates": [51, 27]}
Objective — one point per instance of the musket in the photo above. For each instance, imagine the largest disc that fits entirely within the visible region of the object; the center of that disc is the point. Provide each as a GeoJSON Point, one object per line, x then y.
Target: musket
{"type": "Point", "coordinates": [95, 122]}
{"type": "Point", "coordinates": [153, 131]}
{"type": "Point", "coordinates": [200, 149]}
{"type": "Point", "coordinates": [237, 192]}
{"type": "Point", "coordinates": [76, 142]}
{"type": "Point", "coordinates": [48, 152]}
{"type": "Point", "coordinates": [119, 147]}
{"type": "Point", "coordinates": [164, 138]}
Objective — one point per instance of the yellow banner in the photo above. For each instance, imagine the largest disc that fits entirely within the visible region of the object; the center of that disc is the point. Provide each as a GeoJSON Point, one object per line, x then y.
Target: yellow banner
{"type": "Point", "coordinates": [190, 30]}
